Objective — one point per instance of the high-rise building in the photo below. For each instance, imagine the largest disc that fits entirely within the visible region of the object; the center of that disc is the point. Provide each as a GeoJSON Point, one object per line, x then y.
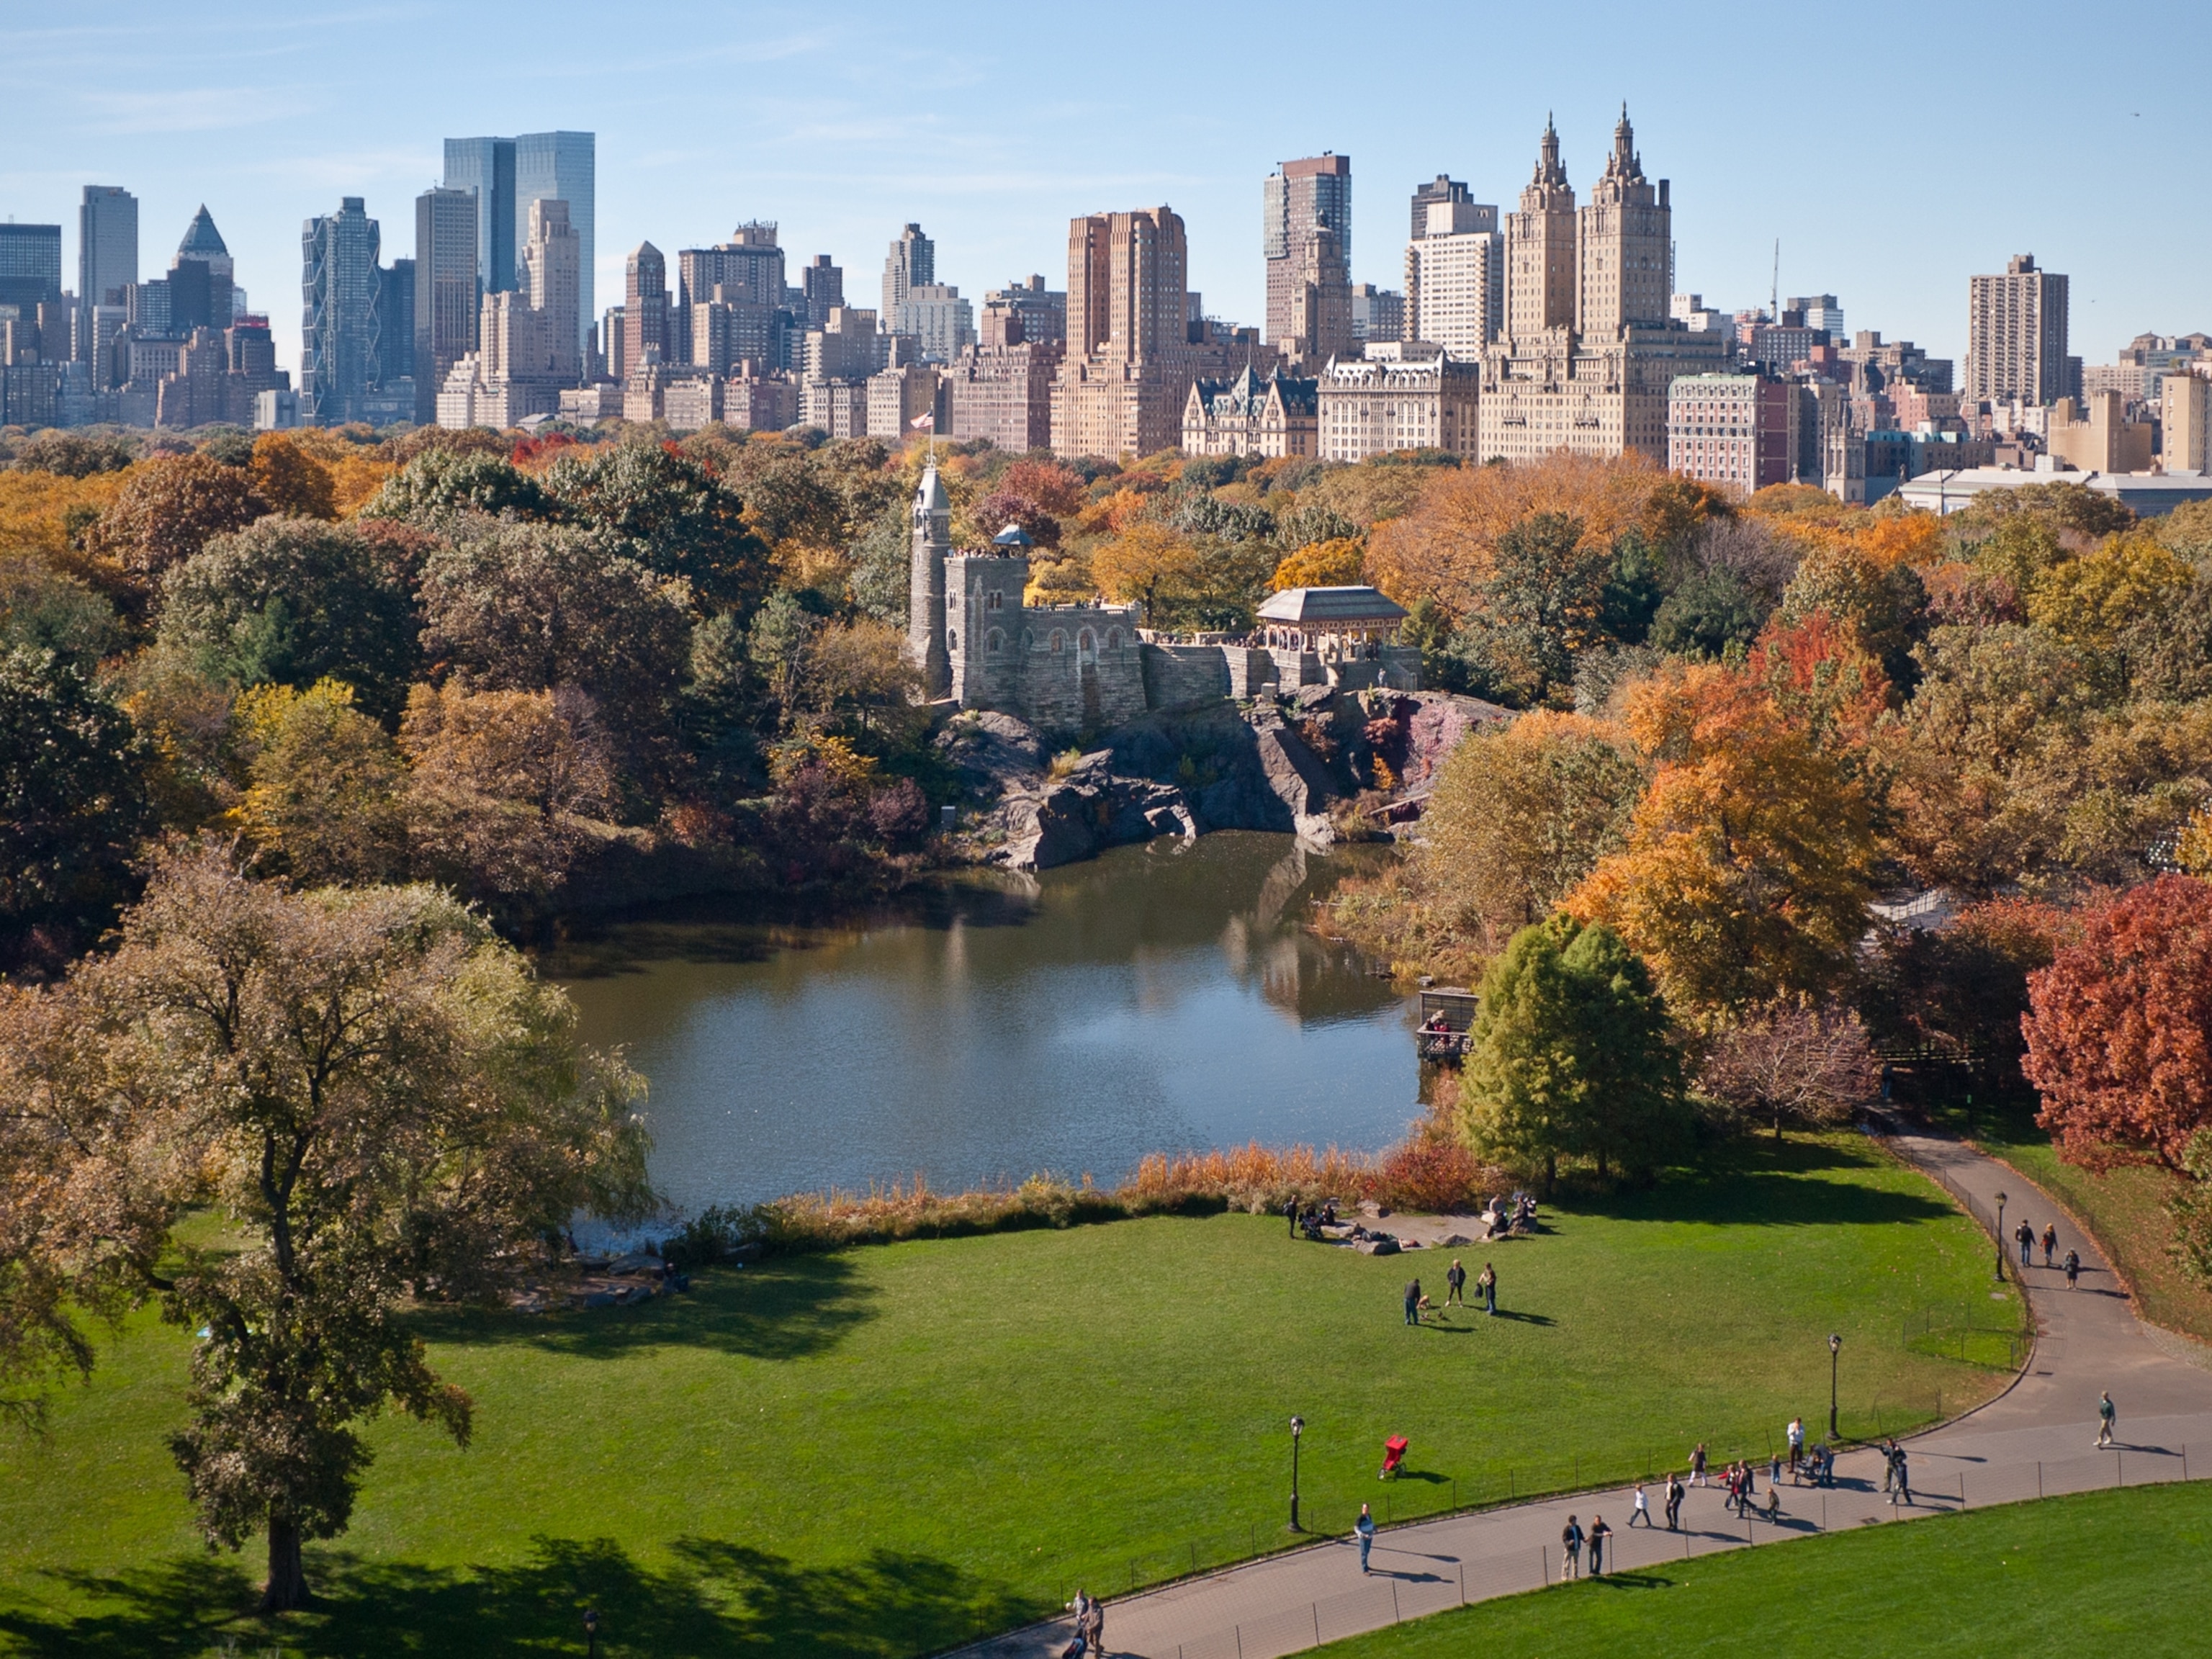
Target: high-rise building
{"type": "Point", "coordinates": [1377, 314]}
{"type": "Point", "coordinates": [823, 284]}
{"type": "Point", "coordinates": [1427, 196]}
{"type": "Point", "coordinates": [1590, 346]}
{"type": "Point", "coordinates": [2016, 336]}
{"type": "Point", "coordinates": [339, 332]}
{"type": "Point", "coordinates": [1043, 311]}
{"type": "Point", "coordinates": [1410, 395]}
{"type": "Point", "coordinates": [1306, 239]}
{"type": "Point", "coordinates": [942, 323]}
{"type": "Point", "coordinates": [30, 265]}
{"type": "Point", "coordinates": [508, 174]}
{"type": "Point", "coordinates": [645, 309]}
{"type": "Point", "coordinates": [1738, 432]}
{"type": "Point", "coordinates": [1818, 311]}
{"type": "Point", "coordinates": [911, 263]}
{"type": "Point", "coordinates": [2186, 423]}
{"type": "Point", "coordinates": [528, 351]}
{"type": "Point", "coordinates": [108, 245]}
{"type": "Point", "coordinates": [730, 300]}
{"type": "Point", "coordinates": [561, 166]}
{"type": "Point", "coordinates": [395, 327]}
{"type": "Point", "coordinates": [1456, 279]}
{"type": "Point", "coordinates": [447, 284]}
{"type": "Point", "coordinates": [201, 290]}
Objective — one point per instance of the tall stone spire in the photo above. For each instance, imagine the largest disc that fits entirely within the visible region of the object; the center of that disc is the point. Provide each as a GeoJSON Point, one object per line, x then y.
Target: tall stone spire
{"type": "Point", "coordinates": [931, 541]}
{"type": "Point", "coordinates": [1623, 163]}
{"type": "Point", "coordinates": [1549, 170]}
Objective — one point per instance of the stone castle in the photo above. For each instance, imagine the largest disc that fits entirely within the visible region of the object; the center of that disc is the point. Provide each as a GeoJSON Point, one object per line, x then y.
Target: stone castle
{"type": "Point", "coordinates": [1089, 667]}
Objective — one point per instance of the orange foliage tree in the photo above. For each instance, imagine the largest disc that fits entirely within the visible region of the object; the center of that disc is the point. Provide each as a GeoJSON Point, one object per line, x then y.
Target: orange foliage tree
{"type": "Point", "coordinates": [1748, 869]}
{"type": "Point", "coordinates": [2119, 1029]}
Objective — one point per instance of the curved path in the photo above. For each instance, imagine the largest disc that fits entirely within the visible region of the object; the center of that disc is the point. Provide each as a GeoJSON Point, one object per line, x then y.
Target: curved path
{"type": "Point", "coordinates": [2038, 1437]}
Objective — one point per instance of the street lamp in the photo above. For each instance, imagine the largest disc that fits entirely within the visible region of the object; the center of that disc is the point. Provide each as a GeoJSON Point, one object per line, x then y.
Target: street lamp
{"type": "Point", "coordinates": [1835, 1358]}
{"type": "Point", "coordinates": [591, 1632]}
{"type": "Point", "coordinates": [1297, 1428]}
{"type": "Point", "coordinates": [2001, 1204]}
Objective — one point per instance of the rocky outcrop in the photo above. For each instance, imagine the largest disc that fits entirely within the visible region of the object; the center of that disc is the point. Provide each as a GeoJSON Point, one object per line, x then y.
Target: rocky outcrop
{"type": "Point", "coordinates": [1272, 765]}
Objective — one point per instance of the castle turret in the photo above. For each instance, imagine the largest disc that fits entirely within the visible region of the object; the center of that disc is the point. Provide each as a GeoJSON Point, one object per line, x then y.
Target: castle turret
{"type": "Point", "coordinates": [924, 627]}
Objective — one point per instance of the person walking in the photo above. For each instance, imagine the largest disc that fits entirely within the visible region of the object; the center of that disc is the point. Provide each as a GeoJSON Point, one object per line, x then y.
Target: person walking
{"type": "Point", "coordinates": [2108, 1415]}
{"type": "Point", "coordinates": [1092, 1628]}
{"type": "Point", "coordinates": [1570, 1548]}
{"type": "Point", "coordinates": [1455, 1284]}
{"type": "Point", "coordinates": [2050, 1240]}
{"type": "Point", "coordinates": [1487, 1284]}
{"type": "Point", "coordinates": [1413, 1301]}
{"type": "Point", "coordinates": [2026, 1234]}
{"type": "Point", "coordinates": [1673, 1503]}
{"type": "Point", "coordinates": [1888, 1465]}
{"type": "Point", "coordinates": [1642, 1511]}
{"type": "Point", "coordinates": [1773, 1471]}
{"type": "Point", "coordinates": [1904, 1477]}
{"type": "Point", "coordinates": [1363, 1530]}
{"type": "Point", "coordinates": [1080, 1606]}
{"type": "Point", "coordinates": [1599, 1533]}
{"type": "Point", "coordinates": [1697, 1464]}
{"type": "Point", "coordinates": [1796, 1433]}
{"type": "Point", "coordinates": [2072, 1270]}
{"type": "Point", "coordinates": [1290, 1212]}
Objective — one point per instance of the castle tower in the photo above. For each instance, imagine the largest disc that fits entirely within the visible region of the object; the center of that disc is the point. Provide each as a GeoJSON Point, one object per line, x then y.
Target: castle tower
{"type": "Point", "coordinates": [924, 627]}
{"type": "Point", "coordinates": [1539, 249]}
{"type": "Point", "coordinates": [1624, 246]}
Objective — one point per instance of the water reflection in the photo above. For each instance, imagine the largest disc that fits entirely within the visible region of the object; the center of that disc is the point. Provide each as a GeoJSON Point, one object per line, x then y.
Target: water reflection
{"type": "Point", "coordinates": [1162, 998]}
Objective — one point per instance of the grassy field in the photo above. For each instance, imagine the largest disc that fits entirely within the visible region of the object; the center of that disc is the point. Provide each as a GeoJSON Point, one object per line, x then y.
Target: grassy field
{"type": "Point", "coordinates": [2061, 1576]}
{"type": "Point", "coordinates": [881, 1450]}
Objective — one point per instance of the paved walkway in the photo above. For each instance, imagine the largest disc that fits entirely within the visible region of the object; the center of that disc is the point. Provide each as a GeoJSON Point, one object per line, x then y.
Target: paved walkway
{"type": "Point", "coordinates": [2037, 1438]}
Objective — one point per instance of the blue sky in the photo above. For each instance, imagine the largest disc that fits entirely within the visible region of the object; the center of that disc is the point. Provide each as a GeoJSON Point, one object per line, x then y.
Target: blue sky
{"type": "Point", "coordinates": [1893, 149]}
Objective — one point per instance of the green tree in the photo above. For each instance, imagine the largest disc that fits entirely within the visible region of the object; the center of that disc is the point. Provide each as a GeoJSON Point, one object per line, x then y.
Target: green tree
{"type": "Point", "coordinates": [291, 601]}
{"type": "Point", "coordinates": [1571, 1058]}
{"type": "Point", "coordinates": [72, 798]}
{"type": "Point", "coordinates": [323, 805]}
{"type": "Point", "coordinates": [43, 609]}
{"type": "Point", "coordinates": [1707, 614]}
{"type": "Point", "coordinates": [670, 513]}
{"type": "Point", "coordinates": [1541, 605]}
{"type": "Point", "coordinates": [380, 1099]}
{"type": "Point", "coordinates": [440, 485]}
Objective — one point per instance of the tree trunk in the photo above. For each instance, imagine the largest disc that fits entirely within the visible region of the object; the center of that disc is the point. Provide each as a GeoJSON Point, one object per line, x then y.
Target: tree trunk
{"type": "Point", "coordinates": [287, 1588]}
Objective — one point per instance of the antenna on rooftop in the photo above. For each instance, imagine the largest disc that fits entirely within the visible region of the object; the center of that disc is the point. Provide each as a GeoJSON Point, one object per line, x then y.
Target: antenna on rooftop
{"type": "Point", "coordinates": [1774, 299]}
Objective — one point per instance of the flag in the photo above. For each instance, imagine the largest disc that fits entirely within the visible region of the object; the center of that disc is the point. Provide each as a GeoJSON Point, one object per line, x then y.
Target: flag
{"type": "Point", "coordinates": [922, 421]}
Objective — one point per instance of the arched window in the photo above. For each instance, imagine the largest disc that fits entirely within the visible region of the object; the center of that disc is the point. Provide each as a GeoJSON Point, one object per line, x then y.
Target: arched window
{"type": "Point", "coordinates": [1059, 639]}
{"type": "Point", "coordinates": [1029, 638]}
{"type": "Point", "coordinates": [996, 643]}
{"type": "Point", "coordinates": [1086, 644]}
{"type": "Point", "coordinates": [951, 639]}
{"type": "Point", "coordinates": [1112, 639]}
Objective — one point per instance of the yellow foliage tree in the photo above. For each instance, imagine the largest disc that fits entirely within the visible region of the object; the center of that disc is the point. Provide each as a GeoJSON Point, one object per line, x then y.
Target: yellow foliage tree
{"type": "Point", "coordinates": [1341, 561]}
{"type": "Point", "coordinates": [324, 804]}
{"type": "Point", "coordinates": [1748, 864]}
{"type": "Point", "coordinates": [2088, 601]}
{"type": "Point", "coordinates": [292, 481]}
{"type": "Point", "coordinates": [1147, 564]}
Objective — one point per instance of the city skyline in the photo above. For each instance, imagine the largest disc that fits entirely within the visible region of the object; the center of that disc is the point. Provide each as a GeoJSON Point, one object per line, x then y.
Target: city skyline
{"type": "Point", "coordinates": [832, 140]}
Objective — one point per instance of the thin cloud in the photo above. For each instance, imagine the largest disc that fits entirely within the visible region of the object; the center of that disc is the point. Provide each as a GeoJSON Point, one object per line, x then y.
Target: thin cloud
{"type": "Point", "coordinates": [190, 109]}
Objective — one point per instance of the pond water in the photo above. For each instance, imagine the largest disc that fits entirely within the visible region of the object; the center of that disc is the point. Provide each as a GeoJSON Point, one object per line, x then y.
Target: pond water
{"type": "Point", "coordinates": [1161, 999]}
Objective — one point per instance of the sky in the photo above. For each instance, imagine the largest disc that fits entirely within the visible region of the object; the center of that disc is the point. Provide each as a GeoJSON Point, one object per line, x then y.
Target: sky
{"type": "Point", "coordinates": [1892, 150]}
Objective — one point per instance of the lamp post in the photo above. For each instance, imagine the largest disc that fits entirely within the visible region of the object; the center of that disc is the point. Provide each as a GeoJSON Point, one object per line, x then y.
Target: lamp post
{"type": "Point", "coordinates": [1835, 1358]}
{"type": "Point", "coordinates": [1297, 1428]}
{"type": "Point", "coordinates": [2001, 1204]}
{"type": "Point", "coordinates": [591, 1632]}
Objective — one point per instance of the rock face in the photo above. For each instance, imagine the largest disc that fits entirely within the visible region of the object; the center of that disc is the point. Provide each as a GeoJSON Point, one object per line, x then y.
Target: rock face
{"type": "Point", "coordinates": [1275, 766]}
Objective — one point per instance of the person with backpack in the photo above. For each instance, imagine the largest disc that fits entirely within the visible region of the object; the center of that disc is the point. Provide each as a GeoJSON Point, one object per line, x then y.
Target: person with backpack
{"type": "Point", "coordinates": [1363, 1530]}
{"type": "Point", "coordinates": [1570, 1548]}
{"type": "Point", "coordinates": [2026, 1234]}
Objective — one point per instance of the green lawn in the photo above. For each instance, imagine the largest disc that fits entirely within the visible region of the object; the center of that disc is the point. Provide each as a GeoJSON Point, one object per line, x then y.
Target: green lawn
{"type": "Point", "coordinates": [882, 1450]}
{"type": "Point", "coordinates": [2058, 1578]}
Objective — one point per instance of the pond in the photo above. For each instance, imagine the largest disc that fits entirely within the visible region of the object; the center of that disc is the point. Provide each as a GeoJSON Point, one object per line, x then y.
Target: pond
{"type": "Point", "coordinates": [1161, 999]}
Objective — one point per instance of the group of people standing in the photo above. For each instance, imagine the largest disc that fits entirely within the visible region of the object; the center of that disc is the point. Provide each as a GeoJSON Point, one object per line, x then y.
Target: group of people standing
{"type": "Point", "coordinates": [1485, 1286]}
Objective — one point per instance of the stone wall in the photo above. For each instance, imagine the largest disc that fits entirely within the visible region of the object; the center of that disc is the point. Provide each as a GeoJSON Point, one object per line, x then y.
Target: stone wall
{"type": "Point", "coordinates": [1183, 676]}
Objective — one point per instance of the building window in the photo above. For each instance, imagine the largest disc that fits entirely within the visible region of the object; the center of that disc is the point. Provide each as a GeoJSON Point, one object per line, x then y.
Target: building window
{"type": "Point", "coordinates": [1112, 639]}
{"type": "Point", "coordinates": [952, 639]}
{"type": "Point", "coordinates": [996, 642]}
{"type": "Point", "coordinates": [1059, 639]}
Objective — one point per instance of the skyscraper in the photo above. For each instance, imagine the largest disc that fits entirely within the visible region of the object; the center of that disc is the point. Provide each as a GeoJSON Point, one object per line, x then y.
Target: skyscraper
{"type": "Point", "coordinates": [645, 309]}
{"type": "Point", "coordinates": [507, 175]}
{"type": "Point", "coordinates": [1442, 190]}
{"type": "Point", "coordinates": [1539, 283]}
{"type": "Point", "coordinates": [911, 263]}
{"type": "Point", "coordinates": [2016, 336]}
{"type": "Point", "coordinates": [337, 288]}
{"type": "Point", "coordinates": [742, 277]}
{"type": "Point", "coordinates": [1624, 253]}
{"type": "Point", "coordinates": [200, 278]}
{"type": "Point", "coordinates": [30, 265]}
{"type": "Point", "coordinates": [1456, 277]}
{"type": "Point", "coordinates": [551, 259]}
{"type": "Point", "coordinates": [823, 285]}
{"type": "Point", "coordinates": [395, 325]}
{"type": "Point", "coordinates": [1306, 239]}
{"type": "Point", "coordinates": [108, 245]}
{"type": "Point", "coordinates": [561, 166]}
{"type": "Point", "coordinates": [445, 290]}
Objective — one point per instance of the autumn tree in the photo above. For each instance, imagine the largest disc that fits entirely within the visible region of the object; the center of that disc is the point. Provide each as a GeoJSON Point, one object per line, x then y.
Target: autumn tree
{"type": "Point", "coordinates": [1570, 1057]}
{"type": "Point", "coordinates": [1958, 991]}
{"type": "Point", "coordinates": [1792, 1062]}
{"type": "Point", "coordinates": [669, 513]}
{"type": "Point", "coordinates": [324, 800]}
{"type": "Point", "coordinates": [1882, 607]}
{"type": "Point", "coordinates": [2119, 1029]}
{"type": "Point", "coordinates": [1338, 563]}
{"type": "Point", "coordinates": [169, 509]}
{"type": "Point", "coordinates": [1748, 863]}
{"type": "Point", "coordinates": [1151, 565]}
{"type": "Point", "coordinates": [291, 601]}
{"type": "Point", "coordinates": [1541, 606]}
{"type": "Point", "coordinates": [381, 1100]}
{"type": "Point", "coordinates": [292, 481]}
{"type": "Point", "coordinates": [497, 784]}
{"type": "Point", "coordinates": [439, 486]}
{"type": "Point", "coordinates": [1519, 815]}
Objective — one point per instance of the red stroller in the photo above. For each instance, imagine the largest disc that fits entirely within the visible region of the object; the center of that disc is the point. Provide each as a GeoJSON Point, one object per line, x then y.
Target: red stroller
{"type": "Point", "coordinates": [1394, 1456]}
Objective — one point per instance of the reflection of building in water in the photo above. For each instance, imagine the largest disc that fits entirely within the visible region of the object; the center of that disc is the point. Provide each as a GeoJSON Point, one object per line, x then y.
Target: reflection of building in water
{"type": "Point", "coordinates": [1312, 980]}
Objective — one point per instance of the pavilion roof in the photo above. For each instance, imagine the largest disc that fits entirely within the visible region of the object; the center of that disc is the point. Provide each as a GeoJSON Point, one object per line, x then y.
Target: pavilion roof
{"type": "Point", "coordinates": [1316, 607]}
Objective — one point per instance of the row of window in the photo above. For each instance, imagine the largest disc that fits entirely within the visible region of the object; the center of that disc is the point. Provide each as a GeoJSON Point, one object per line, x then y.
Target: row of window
{"type": "Point", "coordinates": [1086, 642]}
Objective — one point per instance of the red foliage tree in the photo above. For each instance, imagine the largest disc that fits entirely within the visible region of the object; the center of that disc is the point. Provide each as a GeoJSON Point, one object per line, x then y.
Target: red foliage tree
{"type": "Point", "coordinates": [2119, 1029]}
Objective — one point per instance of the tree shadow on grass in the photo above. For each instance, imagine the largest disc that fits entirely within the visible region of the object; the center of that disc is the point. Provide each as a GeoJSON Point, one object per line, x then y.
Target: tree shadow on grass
{"type": "Point", "coordinates": [1759, 1184]}
{"type": "Point", "coordinates": [783, 1308]}
{"type": "Point", "coordinates": [708, 1597]}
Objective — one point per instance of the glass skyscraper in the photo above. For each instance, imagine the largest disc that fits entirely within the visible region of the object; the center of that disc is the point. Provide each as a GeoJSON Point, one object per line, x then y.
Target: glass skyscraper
{"type": "Point", "coordinates": [338, 289]}
{"type": "Point", "coordinates": [30, 266]}
{"type": "Point", "coordinates": [508, 174]}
